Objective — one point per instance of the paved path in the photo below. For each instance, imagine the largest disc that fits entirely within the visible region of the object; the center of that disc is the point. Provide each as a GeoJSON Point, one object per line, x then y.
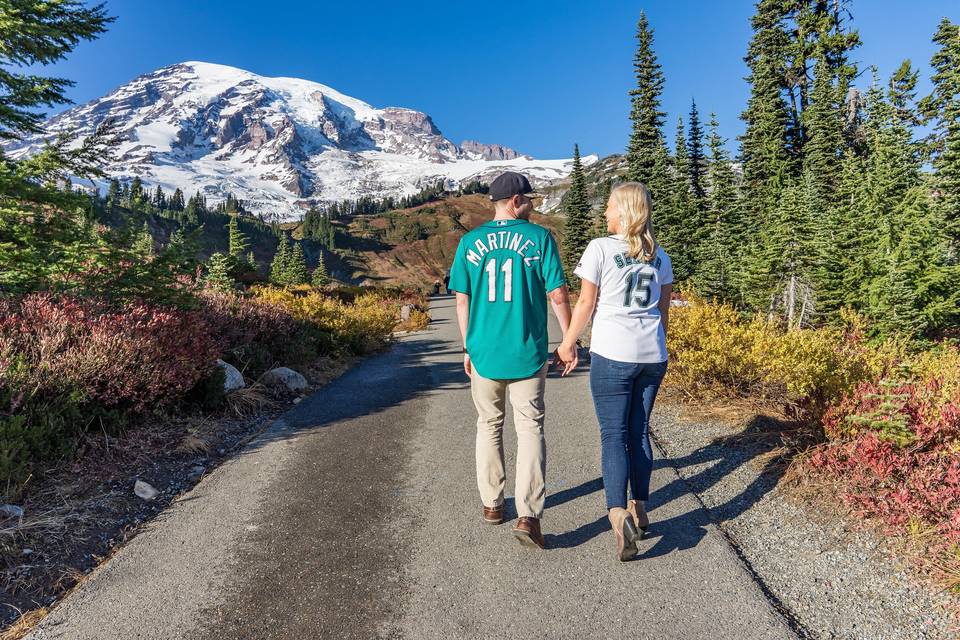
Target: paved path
{"type": "Point", "coordinates": [357, 516]}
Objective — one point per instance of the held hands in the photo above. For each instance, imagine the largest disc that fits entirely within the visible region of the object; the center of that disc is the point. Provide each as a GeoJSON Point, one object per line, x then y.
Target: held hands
{"type": "Point", "coordinates": [467, 367]}
{"type": "Point", "coordinates": [566, 355]}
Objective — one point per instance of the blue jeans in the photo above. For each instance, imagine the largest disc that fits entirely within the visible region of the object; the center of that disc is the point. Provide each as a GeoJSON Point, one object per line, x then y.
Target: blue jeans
{"type": "Point", "coordinates": [623, 395]}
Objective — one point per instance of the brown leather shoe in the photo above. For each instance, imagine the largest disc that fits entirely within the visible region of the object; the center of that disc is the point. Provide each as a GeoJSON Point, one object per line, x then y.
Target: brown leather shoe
{"type": "Point", "coordinates": [493, 515]}
{"type": "Point", "coordinates": [639, 513]}
{"type": "Point", "coordinates": [527, 532]}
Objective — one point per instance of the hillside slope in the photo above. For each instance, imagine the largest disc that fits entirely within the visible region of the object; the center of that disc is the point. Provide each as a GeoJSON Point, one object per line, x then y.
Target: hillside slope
{"type": "Point", "coordinates": [416, 246]}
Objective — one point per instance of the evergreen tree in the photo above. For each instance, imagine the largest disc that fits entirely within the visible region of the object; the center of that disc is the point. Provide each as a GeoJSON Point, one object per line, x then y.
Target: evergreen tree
{"type": "Point", "coordinates": [35, 34]}
{"type": "Point", "coordinates": [714, 278]}
{"type": "Point", "coordinates": [673, 218]}
{"type": "Point", "coordinates": [113, 193]}
{"type": "Point", "coordinates": [647, 158]}
{"type": "Point", "coordinates": [159, 198]}
{"type": "Point", "coordinates": [297, 267]}
{"type": "Point", "coordinates": [136, 193]}
{"type": "Point", "coordinates": [599, 216]}
{"type": "Point", "coordinates": [778, 276]}
{"type": "Point", "coordinates": [320, 277]}
{"type": "Point", "coordinates": [218, 273]}
{"type": "Point", "coordinates": [143, 244]}
{"type": "Point", "coordinates": [176, 201]}
{"type": "Point", "coordinates": [942, 107]}
{"type": "Point", "coordinates": [696, 162]}
{"type": "Point", "coordinates": [902, 93]}
{"type": "Point", "coordinates": [280, 267]}
{"type": "Point", "coordinates": [238, 243]}
{"type": "Point", "coordinates": [577, 208]}
{"type": "Point", "coordinates": [816, 29]}
{"type": "Point", "coordinates": [915, 290]}
{"type": "Point", "coordinates": [824, 146]}
{"type": "Point", "coordinates": [763, 155]}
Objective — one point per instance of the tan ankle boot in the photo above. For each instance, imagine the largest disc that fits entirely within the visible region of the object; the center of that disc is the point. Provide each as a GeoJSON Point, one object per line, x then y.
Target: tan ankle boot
{"type": "Point", "coordinates": [639, 513]}
{"type": "Point", "coordinates": [626, 533]}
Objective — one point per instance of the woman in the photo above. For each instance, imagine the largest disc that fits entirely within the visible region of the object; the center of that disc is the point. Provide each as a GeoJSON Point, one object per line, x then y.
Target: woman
{"type": "Point", "coordinates": [627, 279]}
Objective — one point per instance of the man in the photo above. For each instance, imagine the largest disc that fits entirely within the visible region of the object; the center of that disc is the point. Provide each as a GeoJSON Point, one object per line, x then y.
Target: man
{"type": "Point", "coordinates": [502, 273]}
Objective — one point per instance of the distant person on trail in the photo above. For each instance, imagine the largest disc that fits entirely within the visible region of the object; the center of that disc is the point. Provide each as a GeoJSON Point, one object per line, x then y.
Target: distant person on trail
{"type": "Point", "coordinates": [446, 282]}
{"type": "Point", "coordinates": [626, 286]}
{"type": "Point", "coordinates": [502, 273]}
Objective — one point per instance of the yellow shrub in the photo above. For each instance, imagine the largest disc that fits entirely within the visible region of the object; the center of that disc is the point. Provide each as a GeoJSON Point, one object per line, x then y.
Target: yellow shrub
{"type": "Point", "coordinates": [358, 326]}
{"type": "Point", "coordinates": [712, 348]}
{"type": "Point", "coordinates": [941, 364]}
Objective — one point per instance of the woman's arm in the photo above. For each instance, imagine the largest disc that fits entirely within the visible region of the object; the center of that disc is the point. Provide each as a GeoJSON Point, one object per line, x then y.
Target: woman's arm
{"type": "Point", "coordinates": [581, 315]}
{"type": "Point", "coordinates": [666, 292]}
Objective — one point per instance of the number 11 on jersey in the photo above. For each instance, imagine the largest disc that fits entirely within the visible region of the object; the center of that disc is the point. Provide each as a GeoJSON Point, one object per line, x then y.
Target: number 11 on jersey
{"type": "Point", "coordinates": [491, 270]}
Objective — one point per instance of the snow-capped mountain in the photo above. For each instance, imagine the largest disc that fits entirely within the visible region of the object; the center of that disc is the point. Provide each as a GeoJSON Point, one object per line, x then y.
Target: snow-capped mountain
{"type": "Point", "coordinates": [279, 144]}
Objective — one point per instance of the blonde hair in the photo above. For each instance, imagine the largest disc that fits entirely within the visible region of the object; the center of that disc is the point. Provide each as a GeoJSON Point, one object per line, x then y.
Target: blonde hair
{"type": "Point", "coordinates": [636, 208]}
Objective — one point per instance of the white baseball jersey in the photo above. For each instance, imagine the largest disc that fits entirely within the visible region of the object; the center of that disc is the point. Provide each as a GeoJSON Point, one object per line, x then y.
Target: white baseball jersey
{"type": "Point", "coordinates": [626, 321]}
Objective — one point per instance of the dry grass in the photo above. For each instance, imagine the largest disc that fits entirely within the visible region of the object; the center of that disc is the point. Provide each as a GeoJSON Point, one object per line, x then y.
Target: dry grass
{"type": "Point", "coordinates": [249, 400]}
{"type": "Point", "coordinates": [194, 444]}
{"type": "Point", "coordinates": [24, 624]}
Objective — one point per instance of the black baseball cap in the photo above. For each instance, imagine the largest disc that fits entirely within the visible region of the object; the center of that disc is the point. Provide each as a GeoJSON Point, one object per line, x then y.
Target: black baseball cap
{"type": "Point", "coordinates": [509, 184]}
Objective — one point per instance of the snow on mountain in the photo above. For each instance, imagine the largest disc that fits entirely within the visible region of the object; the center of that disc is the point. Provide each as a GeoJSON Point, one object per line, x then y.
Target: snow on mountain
{"type": "Point", "coordinates": [279, 144]}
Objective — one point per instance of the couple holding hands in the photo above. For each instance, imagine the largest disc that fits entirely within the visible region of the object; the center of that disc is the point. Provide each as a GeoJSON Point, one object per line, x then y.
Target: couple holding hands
{"type": "Point", "coordinates": [503, 273]}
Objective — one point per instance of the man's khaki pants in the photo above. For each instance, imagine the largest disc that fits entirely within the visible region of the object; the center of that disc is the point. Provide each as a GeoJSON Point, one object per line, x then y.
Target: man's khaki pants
{"type": "Point", "coordinates": [526, 397]}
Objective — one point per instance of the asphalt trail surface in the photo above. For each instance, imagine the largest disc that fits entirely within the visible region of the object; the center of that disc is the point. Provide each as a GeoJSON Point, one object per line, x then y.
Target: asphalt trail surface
{"type": "Point", "coordinates": [357, 516]}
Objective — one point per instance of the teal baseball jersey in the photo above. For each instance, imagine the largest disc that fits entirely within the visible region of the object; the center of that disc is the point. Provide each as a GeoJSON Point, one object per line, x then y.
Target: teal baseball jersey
{"type": "Point", "coordinates": [507, 267]}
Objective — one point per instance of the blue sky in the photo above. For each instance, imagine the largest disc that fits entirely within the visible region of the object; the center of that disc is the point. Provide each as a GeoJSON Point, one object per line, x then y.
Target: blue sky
{"type": "Point", "coordinates": [533, 75]}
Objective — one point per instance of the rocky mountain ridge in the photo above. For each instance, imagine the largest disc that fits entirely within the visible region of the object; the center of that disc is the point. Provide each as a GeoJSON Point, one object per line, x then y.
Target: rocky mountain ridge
{"type": "Point", "coordinates": [279, 144]}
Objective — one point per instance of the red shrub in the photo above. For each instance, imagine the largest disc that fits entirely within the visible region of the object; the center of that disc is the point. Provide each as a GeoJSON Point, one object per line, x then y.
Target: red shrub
{"type": "Point", "coordinates": [254, 335]}
{"type": "Point", "coordinates": [896, 451]}
{"type": "Point", "coordinates": [136, 357]}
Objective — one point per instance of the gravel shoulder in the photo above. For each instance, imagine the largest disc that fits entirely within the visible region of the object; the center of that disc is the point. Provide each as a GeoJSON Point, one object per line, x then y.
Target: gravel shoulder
{"type": "Point", "coordinates": [833, 577]}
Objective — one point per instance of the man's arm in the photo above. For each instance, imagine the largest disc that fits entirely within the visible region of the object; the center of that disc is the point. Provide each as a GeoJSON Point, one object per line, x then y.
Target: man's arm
{"type": "Point", "coordinates": [567, 351]}
{"type": "Point", "coordinates": [463, 319]}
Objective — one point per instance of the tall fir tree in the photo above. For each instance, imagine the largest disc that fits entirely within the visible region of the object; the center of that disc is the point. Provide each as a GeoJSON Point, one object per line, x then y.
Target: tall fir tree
{"type": "Point", "coordinates": [715, 271]}
{"type": "Point", "coordinates": [824, 146]}
{"type": "Point", "coordinates": [763, 155]}
{"type": "Point", "coordinates": [280, 267]}
{"type": "Point", "coordinates": [159, 198]}
{"type": "Point", "coordinates": [674, 218]}
{"type": "Point", "coordinates": [902, 92]}
{"type": "Point", "coordinates": [176, 201]}
{"type": "Point", "coordinates": [113, 193]}
{"type": "Point", "coordinates": [237, 241]}
{"type": "Point", "coordinates": [577, 231]}
{"type": "Point", "coordinates": [136, 193]}
{"type": "Point", "coordinates": [320, 276]}
{"type": "Point", "coordinates": [599, 216]}
{"type": "Point", "coordinates": [696, 161]}
{"type": "Point", "coordinates": [647, 157]}
{"type": "Point", "coordinates": [297, 268]}
{"type": "Point", "coordinates": [218, 273]}
{"type": "Point", "coordinates": [35, 34]}
{"type": "Point", "coordinates": [942, 109]}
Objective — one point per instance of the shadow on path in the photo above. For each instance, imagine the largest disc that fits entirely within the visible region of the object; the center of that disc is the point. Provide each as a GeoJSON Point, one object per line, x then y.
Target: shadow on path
{"type": "Point", "coordinates": [727, 454]}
